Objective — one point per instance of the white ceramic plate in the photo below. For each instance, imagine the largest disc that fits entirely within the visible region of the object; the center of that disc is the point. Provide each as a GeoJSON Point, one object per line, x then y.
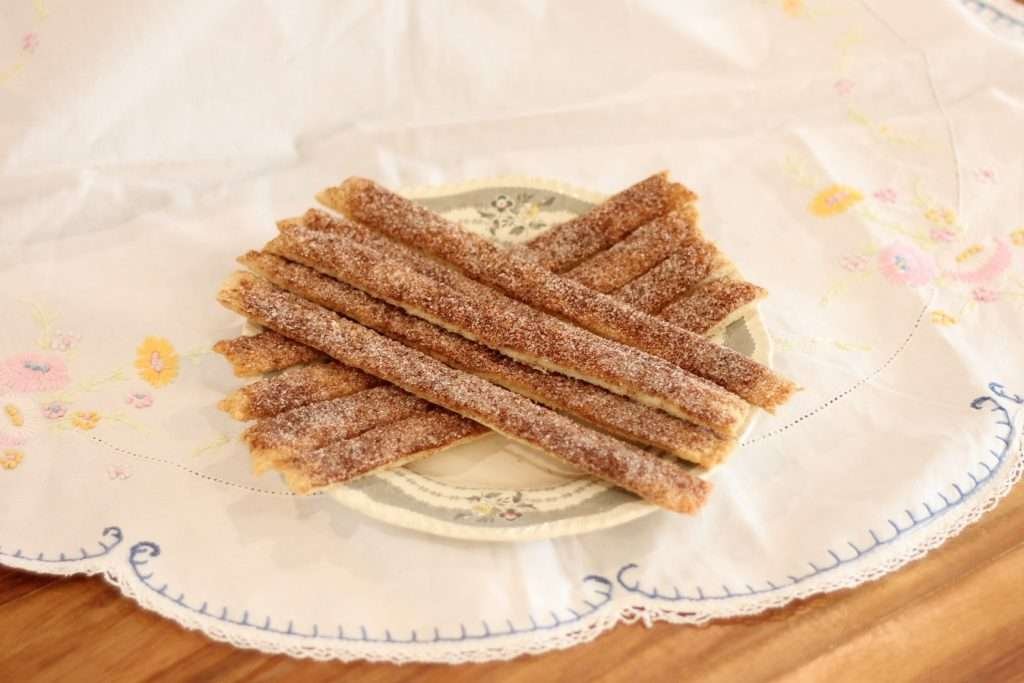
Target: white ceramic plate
{"type": "Point", "coordinates": [495, 489]}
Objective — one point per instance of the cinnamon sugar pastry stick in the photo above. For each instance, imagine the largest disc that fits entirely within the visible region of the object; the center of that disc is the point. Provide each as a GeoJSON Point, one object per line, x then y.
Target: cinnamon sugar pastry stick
{"type": "Point", "coordinates": [383, 447]}
{"type": "Point", "coordinates": [264, 352]}
{"type": "Point", "coordinates": [637, 253]}
{"type": "Point", "coordinates": [318, 424]}
{"type": "Point", "coordinates": [659, 481]}
{"type": "Point", "coordinates": [566, 245]}
{"type": "Point", "coordinates": [713, 305]}
{"type": "Point", "coordinates": [681, 271]}
{"type": "Point", "coordinates": [297, 386]}
{"type": "Point", "coordinates": [515, 329]}
{"type": "Point", "coordinates": [611, 412]}
{"type": "Point", "coordinates": [519, 276]}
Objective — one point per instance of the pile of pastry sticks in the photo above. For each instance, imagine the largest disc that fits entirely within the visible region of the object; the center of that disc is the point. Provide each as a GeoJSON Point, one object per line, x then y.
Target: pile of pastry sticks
{"type": "Point", "coordinates": [398, 334]}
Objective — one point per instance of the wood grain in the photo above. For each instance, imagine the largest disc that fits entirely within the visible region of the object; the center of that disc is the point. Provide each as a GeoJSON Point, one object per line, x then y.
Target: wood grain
{"type": "Point", "coordinates": [957, 615]}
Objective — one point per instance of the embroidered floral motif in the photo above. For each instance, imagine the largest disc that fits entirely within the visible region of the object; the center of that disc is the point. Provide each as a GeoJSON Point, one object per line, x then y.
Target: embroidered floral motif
{"type": "Point", "coordinates": [793, 8]}
{"type": "Point", "coordinates": [905, 264]}
{"type": "Point", "coordinates": [834, 200]}
{"type": "Point", "coordinates": [844, 86]}
{"type": "Point", "coordinates": [496, 505]}
{"type": "Point", "coordinates": [855, 264]}
{"type": "Point", "coordinates": [9, 440]}
{"type": "Point", "coordinates": [11, 458]}
{"type": "Point", "coordinates": [63, 341]}
{"type": "Point", "coordinates": [54, 410]}
{"type": "Point", "coordinates": [941, 235]}
{"type": "Point", "coordinates": [942, 318]}
{"type": "Point", "coordinates": [85, 419]}
{"type": "Point", "coordinates": [14, 415]}
{"type": "Point", "coordinates": [157, 361]}
{"type": "Point", "coordinates": [984, 295]}
{"type": "Point", "coordinates": [118, 472]}
{"type": "Point", "coordinates": [886, 195]}
{"type": "Point", "coordinates": [139, 399]}
{"type": "Point", "coordinates": [33, 372]}
{"type": "Point", "coordinates": [1017, 237]}
{"type": "Point", "coordinates": [998, 262]}
{"type": "Point", "coordinates": [940, 216]}
{"type": "Point", "coordinates": [29, 42]}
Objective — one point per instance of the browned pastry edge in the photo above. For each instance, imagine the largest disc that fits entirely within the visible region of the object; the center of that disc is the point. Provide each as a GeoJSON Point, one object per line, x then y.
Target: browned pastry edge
{"type": "Point", "coordinates": [316, 424]}
{"type": "Point", "coordinates": [609, 411]}
{"type": "Point", "coordinates": [568, 244]}
{"type": "Point", "coordinates": [366, 202]}
{"type": "Point", "coordinates": [296, 386]}
{"type": "Point", "coordinates": [638, 252]}
{"type": "Point", "coordinates": [713, 304]}
{"type": "Point", "coordinates": [659, 481]}
{"type": "Point", "coordinates": [381, 448]}
{"type": "Point", "coordinates": [264, 352]}
{"type": "Point", "coordinates": [513, 328]}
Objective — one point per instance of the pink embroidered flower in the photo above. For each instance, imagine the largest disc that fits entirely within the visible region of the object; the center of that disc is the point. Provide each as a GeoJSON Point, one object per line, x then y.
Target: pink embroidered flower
{"type": "Point", "coordinates": [63, 341]}
{"type": "Point", "coordinates": [118, 472]}
{"type": "Point", "coordinates": [8, 440]}
{"type": "Point", "coordinates": [29, 42]}
{"type": "Point", "coordinates": [984, 295]}
{"type": "Point", "coordinates": [985, 175]}
{"type": "Point", "coordinates": [1000, 260]}
{"type": "Point", "coordinates": [54, 410]}
{"type": "Point", "coordinates": [844, 86]}
{"type": "Point", "coordinates": [904, 264]}
{"type": "Point", "coordinates": [942, 235]}
{"type": "Point", "coordinates": [886, 194]}
{"type": "Point", "coordinates": [139, 399]}
{"type": "Point", "coordinates": [33, 372]}
{"type": "Point", "coordinates": [855, 264]}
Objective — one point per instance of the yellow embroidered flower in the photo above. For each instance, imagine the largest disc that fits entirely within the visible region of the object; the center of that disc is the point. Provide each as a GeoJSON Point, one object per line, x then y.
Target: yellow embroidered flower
{"type": "Point", "coordinates": [1017, 237]}
{"type": "Point", "coordinates": [942, 318]}
{"type": "Point", "coordinates": [967, 253]}
{"type": "Point", "coordinates": [157, 361]}
{"type": "Point", "coordinates": [940, 216]}
{"type": "Point", "coordinates": [85, 419]}
{"type": "Point", "coordinates": [14, 415]}
{"type": "Point", "coordinates": [11, 459]}
{"type": "Point", "coordinates": [833, 200]}
{"type": "Point", "coordinates": [793, 8]}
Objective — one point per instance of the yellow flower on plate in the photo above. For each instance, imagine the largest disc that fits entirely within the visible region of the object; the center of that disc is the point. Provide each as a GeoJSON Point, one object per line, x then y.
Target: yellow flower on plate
{"type": "Point", "coordinates": [11, 459]}
{"type": "Point", "coordinates": [85, 419]}
{"type": "Point", "coordinates": [833, 200]}
{"type": "Point", "coordinates": [157, 361]}
{"type": "Point", "coordinates": [942, 318]}
{"type": "Point", "coordinates": [1017, 237]}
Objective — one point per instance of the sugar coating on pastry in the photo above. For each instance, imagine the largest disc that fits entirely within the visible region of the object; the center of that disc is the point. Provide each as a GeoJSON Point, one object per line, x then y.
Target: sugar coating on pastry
{"type": "Point", "coordinates": [524, 279]}
{"type": "Point", "coordinates": [569, 243]}
{"type": "Point", "coordinates": [614, 413]}
{"type": "Point", "coordinates": [295, 386]}
{"type": "Point", "coordinates": [516, 329]}
{"type": "Point", "coordinates": [713, 305]}
{"type": "Point", "coordinates": [662, 482]}
{"type": "Point", "coordinates": [264, 352]}
{"type": "Point", "coordinates": [637, 253]}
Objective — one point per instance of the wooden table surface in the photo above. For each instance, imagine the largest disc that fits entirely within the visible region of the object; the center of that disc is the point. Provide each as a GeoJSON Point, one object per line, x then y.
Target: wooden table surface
{"type": "Point", "coordinates": [957, 615]}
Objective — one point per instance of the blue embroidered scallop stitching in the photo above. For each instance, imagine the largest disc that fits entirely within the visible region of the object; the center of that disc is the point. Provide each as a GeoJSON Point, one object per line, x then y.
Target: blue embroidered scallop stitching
{"type": "Point", "coordinates": [112, 534]}
{"type": "Point", "coordinates": [931, 512]}
{"type": "Point", "coordinates": [142, 552]}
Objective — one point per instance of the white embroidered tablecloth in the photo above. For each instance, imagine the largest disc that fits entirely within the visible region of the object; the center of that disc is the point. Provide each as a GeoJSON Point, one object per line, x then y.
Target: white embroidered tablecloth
{"type": "Point", "coordinates": [862, 160]}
